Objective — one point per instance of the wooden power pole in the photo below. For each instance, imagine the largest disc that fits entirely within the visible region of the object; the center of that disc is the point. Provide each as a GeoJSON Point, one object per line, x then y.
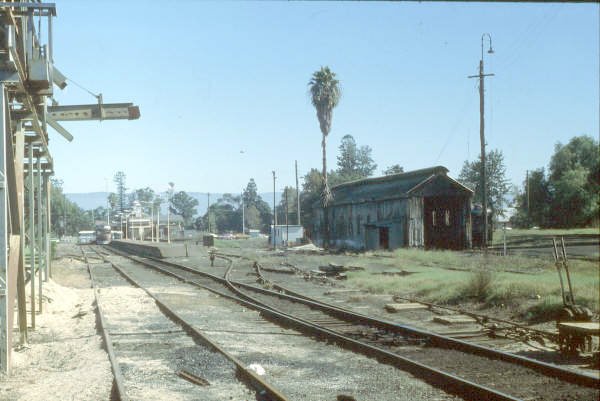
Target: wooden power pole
{"type": "Point", "coordinates": [483, 184]}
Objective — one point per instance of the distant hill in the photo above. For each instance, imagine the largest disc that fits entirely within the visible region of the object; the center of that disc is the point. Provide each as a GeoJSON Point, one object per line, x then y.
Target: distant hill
{"type": "Point", "coordinates": [92, 200]}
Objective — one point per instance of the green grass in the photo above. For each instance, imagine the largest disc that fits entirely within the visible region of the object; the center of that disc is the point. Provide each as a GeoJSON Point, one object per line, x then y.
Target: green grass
{"type": "Point", "coordinates": [526, 237]}
{"type": "Point", "coordinates": [492, 281]}
{"type": "Point", "coordinates": [529, 286]}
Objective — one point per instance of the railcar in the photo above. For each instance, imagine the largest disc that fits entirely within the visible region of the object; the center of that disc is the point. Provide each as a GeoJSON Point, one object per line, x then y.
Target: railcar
{"type": "Point", "coordinates": [86, 237]}
{"type": "Point", "coordinates": [103, 235]}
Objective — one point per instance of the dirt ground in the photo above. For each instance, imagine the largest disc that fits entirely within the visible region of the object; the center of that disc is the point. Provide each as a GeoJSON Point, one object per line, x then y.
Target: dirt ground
{"type": "Point", "coordinates": [64, 357]}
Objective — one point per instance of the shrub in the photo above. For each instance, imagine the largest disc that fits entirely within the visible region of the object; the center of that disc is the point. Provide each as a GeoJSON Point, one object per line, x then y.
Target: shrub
{"type": "Point", "coordinates": [480, 284]}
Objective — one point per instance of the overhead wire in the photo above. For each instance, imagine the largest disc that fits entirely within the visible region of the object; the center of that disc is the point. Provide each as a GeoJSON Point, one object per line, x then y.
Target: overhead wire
{"type": "Point", "coordinates": [466, 103]}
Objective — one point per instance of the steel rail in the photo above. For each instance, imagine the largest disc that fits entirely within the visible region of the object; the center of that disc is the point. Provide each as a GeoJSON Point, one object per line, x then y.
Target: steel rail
{"type": "Point", "coordinates": [444, 380]}
{"type": "Point", "coordinates": [118, 384]}
{"type": "Point", "coordinates": [551, 336]}
{"type": "Point", "coordinates": [438, 340]}
{"type": "Point", "coordinates": [263, 388]}
{"type": "Point", "coordinates": [445, 341]}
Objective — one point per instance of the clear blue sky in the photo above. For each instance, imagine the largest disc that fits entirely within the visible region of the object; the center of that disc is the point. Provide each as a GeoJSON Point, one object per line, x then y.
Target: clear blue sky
{"type": "Point", "coordinates": [215, 78]}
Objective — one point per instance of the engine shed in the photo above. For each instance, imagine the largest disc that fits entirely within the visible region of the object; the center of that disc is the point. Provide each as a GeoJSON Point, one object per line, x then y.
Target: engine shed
{"type": "Point", "coordinates": [423, 208]}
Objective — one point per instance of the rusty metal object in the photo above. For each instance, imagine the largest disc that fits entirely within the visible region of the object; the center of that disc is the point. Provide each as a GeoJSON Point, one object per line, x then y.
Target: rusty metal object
{"type": "Point", "coordinates": [192, 378]}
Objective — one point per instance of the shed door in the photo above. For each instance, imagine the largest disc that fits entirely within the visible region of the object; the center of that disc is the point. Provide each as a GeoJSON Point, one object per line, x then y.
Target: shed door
{"type": "Point", "coordinates": [384, 238]}
{"type": "Point", "coordinates": [443, 223]}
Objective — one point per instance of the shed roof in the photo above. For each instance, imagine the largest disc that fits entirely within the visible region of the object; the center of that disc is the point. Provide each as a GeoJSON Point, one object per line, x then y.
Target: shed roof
{"type": "Point", "coordinates": [390, 186]}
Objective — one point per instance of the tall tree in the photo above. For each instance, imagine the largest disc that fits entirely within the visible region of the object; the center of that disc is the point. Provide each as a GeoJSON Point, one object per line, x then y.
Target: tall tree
{"type": "Point", "coordinates": [393, 169]}
{"type": "Point", "coordinates": [497, 184]}
{"type": "Point", "coordinates": [575, 182]}
{"type": "Point", "coordinates": [184, 205]}
{"type": "Point", "coordinates": [312, 187]}
{"type": "Point", "coordinates": [67, 217]}
{"type": "Point", "coordinates": [533, 203]}
{"type": "Point", "coordinates": [353, 162]}
{"type": "Point", "coordinates": [251, 193]}
{"type": "Point", "coordinates": [325, 95]}
{"type": "Point", "coordinates": [289, 208]}
{"type": "Point", "coordinates": [255, 206]}
{"type": "Point", "coordinates": [119, 180]}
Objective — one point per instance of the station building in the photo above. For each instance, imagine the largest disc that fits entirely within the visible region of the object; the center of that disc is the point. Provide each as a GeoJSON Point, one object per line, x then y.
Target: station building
{"type": "Point", "coordinates": [423, 208]}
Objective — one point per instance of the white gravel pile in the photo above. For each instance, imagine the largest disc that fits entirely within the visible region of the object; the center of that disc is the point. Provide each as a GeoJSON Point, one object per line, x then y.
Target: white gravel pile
{"type": "Point", "coordinates": [64, 359]}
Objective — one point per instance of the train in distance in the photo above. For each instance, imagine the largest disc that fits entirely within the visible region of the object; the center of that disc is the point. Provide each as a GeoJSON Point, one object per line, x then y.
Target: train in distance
{"type": "Point", "coordinates": [103, 234]}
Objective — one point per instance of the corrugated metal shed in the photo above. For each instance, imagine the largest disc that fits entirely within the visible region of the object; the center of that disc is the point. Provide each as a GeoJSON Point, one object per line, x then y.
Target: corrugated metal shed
{"type": "Point", "coordinates": [421, 208]}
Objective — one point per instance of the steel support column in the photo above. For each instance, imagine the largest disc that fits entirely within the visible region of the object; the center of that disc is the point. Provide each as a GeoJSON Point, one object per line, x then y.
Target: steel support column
{"type": "Point", "coordinates": [39, 239]}
{"type": "Point", "coordinates": [4, 327]}
{"type": "Point", "coordinates": [19, 156]}
{"type": "Point", "coordinates": [46, 226]}
{"type": "Point", "coordinates": [31, 218]}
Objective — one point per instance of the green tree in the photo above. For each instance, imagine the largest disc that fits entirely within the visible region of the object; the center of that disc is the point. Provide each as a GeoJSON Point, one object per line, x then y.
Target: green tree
{"type": "Point", "coordinates": [250, 193]}
{"type": "Point", "coordinates": [184, 205]}
{"type": "Point", "coordinates": [325, 95]}
{"type": "Point", "coordinates": [99, 214]}
{"type": "Point", "coordinates": [575, 182]}
{"type": "Point", "coordinates": [353, 162]}
{"type": "Point", "coordinates": [113, 201]}
{"type": "Point", "coordinates": [312, 187]}
{"type": "Point", "coordinates": [533, 203]}
{"type": "Point", "coordinates": [291, 208]}
{"type": "Point", "coordinates": [252, 217]}
{"type": "Point", "coordinates": [393, 169]}
{"type": "Point", "coordinates": [119, 180]}
{"type": "Point", "coordinates": [581, 151]}
{"type": "Point", "coordinates": [573, 205]}
{"type": "Point", "coordinates": [497, 184]}
{"type": "Point", "coordinates": [67, 217]}
{"type": "Point", "coordinates": [256, 206]}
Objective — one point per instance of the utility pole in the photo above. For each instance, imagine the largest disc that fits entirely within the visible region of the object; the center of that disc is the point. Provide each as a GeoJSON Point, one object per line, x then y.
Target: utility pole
{"type": "Point", "coordinates": [287, 226]}
{"type": "Point", "coordinates": [243, 215]}
{"type": "Point", "coordinates": [171, 185]}
{"type": "Point", "coordinates": [107, 202]}
{"type": "Point", "coordinates": [297, 194]}
{"type": "Point", "coordinates": [274, 213]}
{"type": "Point", "coordinates": [208, 210]}
{"type": "Point", "coordinates": [483, 184]}
{"type": "Point", "coordinates": [527, 190]}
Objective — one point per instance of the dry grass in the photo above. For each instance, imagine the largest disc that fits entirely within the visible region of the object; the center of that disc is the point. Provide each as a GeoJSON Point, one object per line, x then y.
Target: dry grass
{"type": "Point", "coordinates": [454, 277]}
{"type": "Point", "coordinates": [528, 285]}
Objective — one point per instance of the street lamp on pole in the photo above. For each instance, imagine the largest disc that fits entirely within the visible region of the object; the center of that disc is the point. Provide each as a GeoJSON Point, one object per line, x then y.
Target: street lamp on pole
{"type": "Point", "coordinates": [483, 184]}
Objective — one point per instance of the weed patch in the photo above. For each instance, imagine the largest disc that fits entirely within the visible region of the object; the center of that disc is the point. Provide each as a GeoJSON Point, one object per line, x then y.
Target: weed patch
{"type": "Point", "coordinates": [480, 284]}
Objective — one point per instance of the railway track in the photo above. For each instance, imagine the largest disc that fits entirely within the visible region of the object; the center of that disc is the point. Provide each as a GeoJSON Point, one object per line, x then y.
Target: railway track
{"type": "Point", "coordinates": [263, 390]}
{"type": "Point", "coordinates": [491, 329]}
{"type": "Point", "coordinates": [469, 370]}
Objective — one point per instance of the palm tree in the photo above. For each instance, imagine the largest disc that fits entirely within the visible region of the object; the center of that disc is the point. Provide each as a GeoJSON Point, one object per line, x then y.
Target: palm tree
{"type": "Point", "coordinates": [325, 94]}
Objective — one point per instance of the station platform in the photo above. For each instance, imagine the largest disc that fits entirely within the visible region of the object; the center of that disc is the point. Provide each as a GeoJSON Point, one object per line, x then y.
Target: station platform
{"type": "Point", "coordinates": [159, 249]}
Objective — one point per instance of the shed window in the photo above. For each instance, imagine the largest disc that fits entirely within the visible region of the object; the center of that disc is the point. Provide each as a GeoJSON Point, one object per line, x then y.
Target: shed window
{"type": "Point", "coordinates": [447, 217]}
{"type": "Point", "coordinates": [433, 222]}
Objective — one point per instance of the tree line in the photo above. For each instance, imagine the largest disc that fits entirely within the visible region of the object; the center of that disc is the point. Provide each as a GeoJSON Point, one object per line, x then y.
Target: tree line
{"type": "Point", "coordinates": [566, 196]}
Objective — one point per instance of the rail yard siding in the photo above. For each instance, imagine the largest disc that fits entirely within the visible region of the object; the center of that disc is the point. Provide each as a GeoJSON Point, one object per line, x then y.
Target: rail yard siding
{"type": "Point", "coordinates": [422, 208]}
